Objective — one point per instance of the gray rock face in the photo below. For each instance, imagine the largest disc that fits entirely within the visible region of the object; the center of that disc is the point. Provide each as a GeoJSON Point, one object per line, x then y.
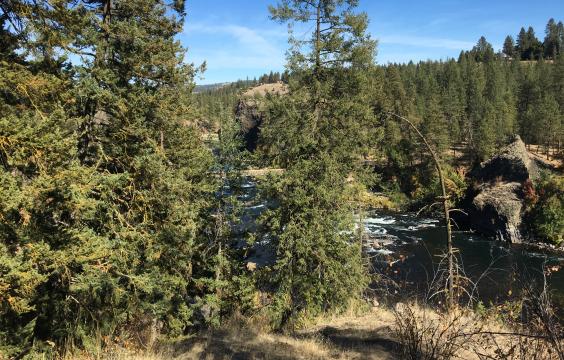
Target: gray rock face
{"type": "Point", "coordinates": [496, 211]}
{"type": "Point", "coordinates": [512, 164]}
{"type": "Point", "coordinates": [250, 117]}
{"type": "Point", "coordinates": [495, 204]}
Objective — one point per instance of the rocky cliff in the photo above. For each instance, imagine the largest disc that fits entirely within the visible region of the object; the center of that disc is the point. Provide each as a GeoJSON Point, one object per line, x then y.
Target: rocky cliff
{"type": "Point", "coordinates": [249, 114]}
{"type": "Point", "coordinates": [495, 202]}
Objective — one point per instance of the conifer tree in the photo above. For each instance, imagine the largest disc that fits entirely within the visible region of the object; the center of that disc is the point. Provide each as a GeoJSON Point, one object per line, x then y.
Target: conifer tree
{"type": "Point", "coordinates": [434, 126]}
{"type": "Point", "coordinates": [534, 51]}
{"type": "Point", "coordinates": [475, 83]}
{"type": "Point", "coordinates": [319, 128]}
{"type": "Point", "coordinates": [105, 186]}
{"type": "Point", "coordinates": [560, 28]}
{"type": "Point", "coordinates": [523, 44]}
{"type": "Point", "coordinates": [483, 51]}
{"type": "Point", "coordinates": [551, 40]}
{"type": "Point", "coordinates": [453, 101]}
{"type": "Point", "coordinates": [509, 47]}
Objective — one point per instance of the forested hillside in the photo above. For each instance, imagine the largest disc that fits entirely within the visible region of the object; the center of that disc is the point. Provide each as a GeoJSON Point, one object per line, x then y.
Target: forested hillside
{"type": "Point", "coordinates": [124, 220]}
{"type": "Point", "coordinates": [474, 106]}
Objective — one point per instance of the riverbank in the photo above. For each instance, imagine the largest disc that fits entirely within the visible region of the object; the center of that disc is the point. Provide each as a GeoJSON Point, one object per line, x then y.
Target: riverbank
{"type": "Point", "coordinates": [349, 336]}
{"type": "Point", "coordinates": [406, 331]}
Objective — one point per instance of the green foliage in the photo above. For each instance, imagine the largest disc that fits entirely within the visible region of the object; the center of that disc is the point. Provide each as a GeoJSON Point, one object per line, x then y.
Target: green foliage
{"type": "Point", "coordinates": [318, 133]}
{"type": "Point", "coordinates": [318, 266]}
{"type": "Point", "coordinates": [106, 198]}
{"type": "Point", "coordinates": [483, 51]}
{"type": "Point", "coordinates": [547, 216]}
{"type": "Point", "coordinates": [509, 46]}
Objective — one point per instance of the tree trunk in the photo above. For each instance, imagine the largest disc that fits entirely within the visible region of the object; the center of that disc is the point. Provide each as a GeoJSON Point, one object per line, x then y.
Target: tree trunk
{"type": "Point", "coordinates": [444, 199]}
{"type": "Point", "coordinates": [317, 69]}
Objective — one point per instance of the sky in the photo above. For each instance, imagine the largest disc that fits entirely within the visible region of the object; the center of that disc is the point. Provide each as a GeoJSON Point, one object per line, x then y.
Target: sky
{"type": "Point", "coordinates": [237, 39]}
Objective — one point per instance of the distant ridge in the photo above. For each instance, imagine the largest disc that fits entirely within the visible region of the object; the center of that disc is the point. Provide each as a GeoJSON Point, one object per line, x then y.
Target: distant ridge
{"type": "Point", "coordinates": [209, 87]}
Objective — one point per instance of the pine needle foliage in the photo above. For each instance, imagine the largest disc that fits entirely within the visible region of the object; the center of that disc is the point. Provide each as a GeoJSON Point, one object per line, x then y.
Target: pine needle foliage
{"type": "Point", "coordinates": [316, 134]}
{"type": "Point", "coordinates": [106, 187]}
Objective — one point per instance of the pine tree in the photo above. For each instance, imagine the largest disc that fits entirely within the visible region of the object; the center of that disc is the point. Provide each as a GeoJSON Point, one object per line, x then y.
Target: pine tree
{"type": "Point", "coordinates": [395, 100]}
{"type": "Point", "coordinates": [475, 83]}
{"type": "Point", "coordinates": [453, 101]}
{"type": "Point", "coordinates": [319, 127]}
{"type": "Point", "coordinates": [109, 218]}
{"type": "Point", "coordinates": [551, 40]}
{"type": "Point", "coordinates": [560, 28]}
{"type": "Point", "coordinates": [523, 45]}
{"type": "Point", "coordinates": [535, 51]}
{"type": "Point", "coordinates": [483, 51]}
{"type": "Point", "coordinates": [529, 94]}
{"type": "Point", "coordinates": [509, 47]}
{"type": "Point", "coordinates": [548, 121]}
{"type": "Point", "coordinates": [434, 125]}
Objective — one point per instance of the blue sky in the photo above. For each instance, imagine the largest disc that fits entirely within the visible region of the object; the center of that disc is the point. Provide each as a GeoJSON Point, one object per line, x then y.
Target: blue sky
{"type": "Point", "coordinates": [237, 39]}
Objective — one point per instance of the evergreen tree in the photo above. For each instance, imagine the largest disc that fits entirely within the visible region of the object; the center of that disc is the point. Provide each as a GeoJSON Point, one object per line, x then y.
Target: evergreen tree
{"type": "Point", "coordinates": [285, 77]}
{"type": "Point", "coordinates": [483, 51]}
{"type": "Point", "coordinates": [104, 225]}
{"type": "Point", "coordinates": [475, 84]}
{"type": "Point", "coordinates": [558, 82]}
{"type": "Point", "coordinates": [551, 40]}
{"type": "Point", "coordinates": [453, 101]}
{"type": "Point", "coordinates": [509, 47]}
{"type": "Point", "coordinates": [434, 125]}
{"type": "Point", "coordinates": [320, 128]}
{"type": "Point", "coordinates": [529, 93]}
{"type": "Point", "coordinates": [534, 51]}
{"type": "Point", "coordinates": [548, 121]}
{"type": "Point", "coordinates": [394, 99]}
{"type": "Point", "coordinates": [523, 44]}
{"type": "Point", "coordinates": [560, 30]}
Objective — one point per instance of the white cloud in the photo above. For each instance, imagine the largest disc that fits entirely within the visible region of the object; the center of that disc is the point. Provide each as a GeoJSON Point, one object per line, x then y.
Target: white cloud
{"type": "Point", "coordinates": [426, 42]}
{"type": "Point", "coordinates": [254, 40]}
{"type": "Point", "coordinates": [251, 48]}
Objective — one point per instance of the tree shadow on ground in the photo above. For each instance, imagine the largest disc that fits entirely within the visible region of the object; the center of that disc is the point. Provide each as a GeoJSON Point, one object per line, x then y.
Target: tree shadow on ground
{"type": "Point", "coordinates": [368, 343]}
{"type": "Point", "coordinates": [324, 343]}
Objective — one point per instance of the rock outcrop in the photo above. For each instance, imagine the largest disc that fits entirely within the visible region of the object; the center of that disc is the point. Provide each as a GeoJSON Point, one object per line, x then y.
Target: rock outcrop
{"type": "Point", "coordinates": [494, 204]}
{"type": "Point", "coordinates": [249, 114]}
{"type": "Point", "coordinates": [512, 164]}
{"type": "Point", "coordinates": [250, 117]}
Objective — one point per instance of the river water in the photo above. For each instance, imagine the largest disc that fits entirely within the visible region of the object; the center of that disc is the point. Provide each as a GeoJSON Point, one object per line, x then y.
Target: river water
{"type": "Point", "coordinates": [414, 245]}
{"type": "Point", "coordinates": [407, 249]}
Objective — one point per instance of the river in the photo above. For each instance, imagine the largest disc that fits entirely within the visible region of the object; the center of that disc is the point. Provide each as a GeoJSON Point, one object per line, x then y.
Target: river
{"type": "Point", "coordinates": [407, 249]}
{"type": "Point", "coordinates": [499, 271]}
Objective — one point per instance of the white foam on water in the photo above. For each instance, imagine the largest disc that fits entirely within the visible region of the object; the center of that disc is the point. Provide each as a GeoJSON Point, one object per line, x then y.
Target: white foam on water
{"type": "Point", "coordinates": [380, 221]}
{"type": "Point", "coordinates": [420, 226]}
{"type": "Point", "coordinates": [248, 185]}
{"type": "Point", "coordinates": [375, 230]}
{"type": "Point", "coordinates": [256, 207]}
{"type": "Point", "coordinates": [380, 251]}
{"type": "Point", "coordinates": [430, 221]}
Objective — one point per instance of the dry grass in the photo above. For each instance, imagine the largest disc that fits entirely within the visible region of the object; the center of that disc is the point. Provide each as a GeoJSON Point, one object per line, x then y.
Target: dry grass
{"type": "Point", "coordinates": [342, 337]}
{"type": "Point", "coordinates": [538, 153]}
{"type": "Point", "coordinates": [261, 90]}
{"type": "Point", "coordinates": [463, 334]}
{"type": "Point", "coordinates": [409, 331]}
{"type": "Point", "coordinates": [261, 173]}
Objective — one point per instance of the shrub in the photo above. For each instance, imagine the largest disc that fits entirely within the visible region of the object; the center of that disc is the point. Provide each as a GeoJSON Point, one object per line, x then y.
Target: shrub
{"type": "Point", "coordinates": [547, 215]}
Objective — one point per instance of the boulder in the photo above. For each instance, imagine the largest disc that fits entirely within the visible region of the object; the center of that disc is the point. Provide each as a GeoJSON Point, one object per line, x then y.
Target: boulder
{"type": "Point", "coordinates": [249, 110]}
{"type": "Point", "coordinates": [494, 204]}
{"type": "Point", "coordinates": [511, 164]}
{"type": "Point", "coordinates": [248, 114]}
{"type": "Point", "coordinates": [496, 211]}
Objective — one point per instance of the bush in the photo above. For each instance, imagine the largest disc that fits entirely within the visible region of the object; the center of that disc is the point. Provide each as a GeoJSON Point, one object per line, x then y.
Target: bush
{"type": "Point", "coordinates": [425, 334]}
{"type": "Point", "coordinates": [547, 214]}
